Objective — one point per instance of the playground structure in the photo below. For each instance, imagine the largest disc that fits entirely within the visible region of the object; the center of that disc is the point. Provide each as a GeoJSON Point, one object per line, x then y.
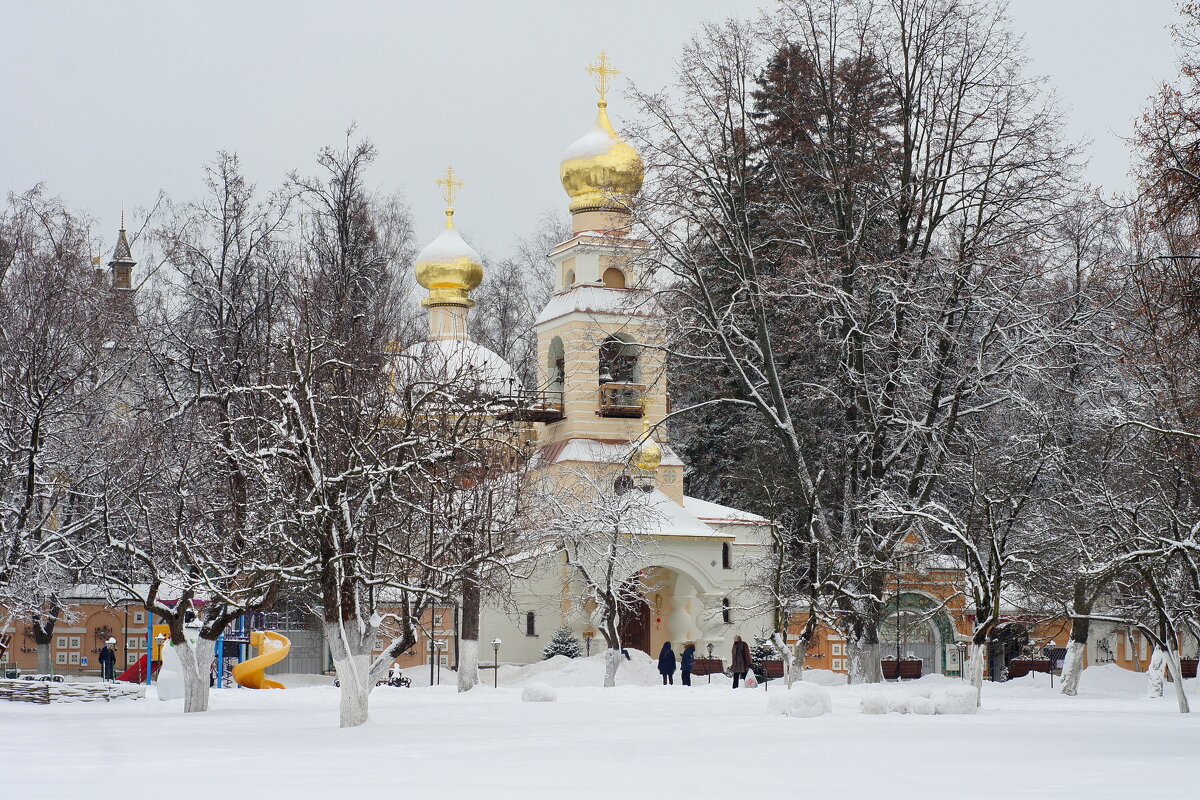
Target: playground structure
{"type": "Point", "coordinates": [250, 673]}
{"type": "Point", "coordinates": [273, 648]}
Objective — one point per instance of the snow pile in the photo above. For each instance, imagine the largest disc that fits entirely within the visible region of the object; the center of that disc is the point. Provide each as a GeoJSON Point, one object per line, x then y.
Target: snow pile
{"type": "Point", "coordinates": [874, 703]}
{"type": "Point", "coordinates": [538, 693]}
{"type": "Point", "coordinates": [802, 700]}
{"type": "Point", "coordinates": [923, 705]}
{"type": "Point", "coordinates": [899, 703]}
{"type": "Point", "coordinates": [563, 672]}
{"type": "Point", "coordinates": [825, 677]}
{"type": "Point", "coordinates": [961, 699]}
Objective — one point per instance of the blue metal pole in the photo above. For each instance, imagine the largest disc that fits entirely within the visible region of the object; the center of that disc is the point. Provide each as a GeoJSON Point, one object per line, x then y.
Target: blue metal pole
{"type": "Point", "coordinates": [149, 645]}
{"type": "Point", "coordinates": [220, 659]}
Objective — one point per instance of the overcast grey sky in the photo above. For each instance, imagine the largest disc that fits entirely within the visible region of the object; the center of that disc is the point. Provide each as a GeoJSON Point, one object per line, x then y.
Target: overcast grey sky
{"type": "Point", "coordinates": [110, 102]}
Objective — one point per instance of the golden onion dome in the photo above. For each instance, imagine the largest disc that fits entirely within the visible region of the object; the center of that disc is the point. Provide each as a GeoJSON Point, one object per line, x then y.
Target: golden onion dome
{"type": "Point", "coordinates": [449, 267]}
{"type": "Point", "coordinates": [601, 171]}
{"type": "Point", "coordinates": [648, 455]}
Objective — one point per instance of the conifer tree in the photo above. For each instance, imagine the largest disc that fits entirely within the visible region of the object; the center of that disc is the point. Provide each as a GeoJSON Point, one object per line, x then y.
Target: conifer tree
{"type": "Point", "coordinates": [564, 643]}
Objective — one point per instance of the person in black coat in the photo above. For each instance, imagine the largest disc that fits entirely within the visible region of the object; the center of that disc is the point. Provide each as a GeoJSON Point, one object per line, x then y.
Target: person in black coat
{"type": "Point", "coordinates": [666, 664]}
{"type": "Point", "coordinates": [686, 661]}
{"type": "Point", "coordinates": [108, 662]}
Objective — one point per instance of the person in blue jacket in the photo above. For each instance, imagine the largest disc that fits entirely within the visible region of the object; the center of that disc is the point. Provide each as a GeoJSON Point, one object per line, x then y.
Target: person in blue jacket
{"type": "Point", "coordinates": [666, 664]}
{"type": "Point", "coordinates": [686, 661]}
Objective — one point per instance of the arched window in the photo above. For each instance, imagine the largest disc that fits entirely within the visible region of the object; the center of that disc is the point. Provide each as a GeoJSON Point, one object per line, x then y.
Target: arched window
{"type": "Point", "coordinates": [556, 371]}
{"type": "Point", "coordinates": [726, 613]}
{"type": "Point", "coordinates": [614, 278]}
{"type": "Point", "coordinates": [530, 624]}
{"type": "Point", "coordinates": [726, 556]}
{"type": "Point", "coordinates": [569, 279]}
{"type": "Point", "coordinates": [619, 360]}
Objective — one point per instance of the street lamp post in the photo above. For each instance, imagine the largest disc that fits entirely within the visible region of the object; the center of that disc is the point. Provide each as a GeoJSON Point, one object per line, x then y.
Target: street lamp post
{"type": "Point", "coordinates": [496, 656]}
{"type": "Point", "coordinates": [587, 641]}
{"type": "Point", "coordinates": [439, 646]}
{"type": "Point", "coordinates": [710, 649]}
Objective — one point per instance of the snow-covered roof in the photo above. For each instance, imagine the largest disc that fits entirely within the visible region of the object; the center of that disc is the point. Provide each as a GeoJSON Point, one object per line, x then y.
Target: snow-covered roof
{"type": "Point", "coordinates": [724, 515]}
{"type": "Point", "coordinates": [447, 246]}
{"type": "Point", "coordinates": [668, 518]}
{"type": "Point", "coordinates": [598, 300]}
{"type": "Point", "coordinates": [461, 362]}
{"type": "Point", "coordinates": [593, 451]}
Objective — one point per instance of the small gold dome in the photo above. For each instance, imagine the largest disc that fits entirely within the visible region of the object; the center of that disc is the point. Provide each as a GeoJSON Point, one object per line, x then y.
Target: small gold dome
{"type": "Point", "coordinates": [648, 455]}
{"type": "Point", "coordinates": [449, 268]}
{"type": "Point", "coordinates": [601, 171]}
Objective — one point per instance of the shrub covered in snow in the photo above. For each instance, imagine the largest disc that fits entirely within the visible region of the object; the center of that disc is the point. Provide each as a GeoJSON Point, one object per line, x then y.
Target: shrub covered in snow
{"type": "Point", "coordinates": [563, 643]}
{"type": "Point", "coordinates": [923, 705]}
{"type": "Point", "coordinates": [824, 677]}
{"type": "Point", "coordinates": [960, 699]}
{"type": "Point", "coordinates": [874, 703]}
{"type": "Point", "coordinates": [899, 703]}
{"type": "Point", "coordinates": [538, 693]}
{"type": "Point", "coordinates": [802, 700]}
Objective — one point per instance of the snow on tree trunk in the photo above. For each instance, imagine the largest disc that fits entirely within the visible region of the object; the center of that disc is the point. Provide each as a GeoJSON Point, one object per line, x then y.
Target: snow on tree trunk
{"type": "Point", "coordinates": [468, 664]}
{"type": "Point", "coordinates": [790, 671]}
{"type": "Point", "coordinates": [612, 662]}
{"type": "Point", "coordinates": [43, 658]}
{"type": "Point", "coordinates": [1154, 675]}
{"type": "Point", "coordinates": [864, 662]}
{"type": "Point", "coordinates": [1172, 659]}
{"type": "Point", "coordinates": [468, 652]}
{"type": "Point", "coordinates": [1072, 668]}
{"type": "Point", "coordinates": [196, 658]}
{"type": "Point", "coordinates": [974, 668]}
{"type": "Point", "coordinates": [352, 662]}
{"type": "Point", "coordinates": [801, 657]}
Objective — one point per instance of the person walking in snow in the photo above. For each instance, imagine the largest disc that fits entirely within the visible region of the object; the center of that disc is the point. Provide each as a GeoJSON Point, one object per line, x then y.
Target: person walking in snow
{"type": "Point", "coordinates": [686, 661]}
{"type": "Point", "coordinates": [741, 660]}
{"type": "Point", "coordinates": [666, 664]}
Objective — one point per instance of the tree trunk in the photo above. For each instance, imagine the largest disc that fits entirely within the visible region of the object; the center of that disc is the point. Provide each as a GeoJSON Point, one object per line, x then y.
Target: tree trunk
{"type": "Point", "coordinates": [196, 658]}
{"type": "Point", "coordinates": [468, 657]}
{"type": "Point", "coordinates": [612, 662]}
{"type": "Point", "coordinates": [864, 661]}
{"type": "Point", "coordinates": [1072, 666]}
{"type": "Point", "coordinates": [790, 669]}
{"type": "Point", "coordinates": [1172, 659]}
{"type": "Point", "coordinates": [974, 670]}
{"type": "Point", "coordinates": [43, 657]}
{"type": "Point", "coordinates": [352, 662]}
{"type": "Point", "coordinates": [1154, 675]}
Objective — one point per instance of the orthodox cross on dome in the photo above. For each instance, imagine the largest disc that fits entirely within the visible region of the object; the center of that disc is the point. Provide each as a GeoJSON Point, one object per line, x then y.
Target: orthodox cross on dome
{"type": "Point", "coordinates": [603, 70]}
{"type": "Point", "coordinates": [449, 186]}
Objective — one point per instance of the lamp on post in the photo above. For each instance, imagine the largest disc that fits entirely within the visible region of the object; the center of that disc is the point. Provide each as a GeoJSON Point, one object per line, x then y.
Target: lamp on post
{"type": "Point", "coordinates": [439, 645]}
{"type": "Point", "coordinates": [587, 641]}
{"type": "Point", "coordinates": [710, 649]}
{"type": "Point", "coordinates": [496, 656]}
{"type": "Point", "coordinates": [962, 660]}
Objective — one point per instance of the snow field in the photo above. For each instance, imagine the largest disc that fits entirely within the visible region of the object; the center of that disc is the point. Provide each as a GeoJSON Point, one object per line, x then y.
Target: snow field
{"type": "Point", "coordinates": [538, 693]}
{"type": "Point", "coordinates": [1107, 743]}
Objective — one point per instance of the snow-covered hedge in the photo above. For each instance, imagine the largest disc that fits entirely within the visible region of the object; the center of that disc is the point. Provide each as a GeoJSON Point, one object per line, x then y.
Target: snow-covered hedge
{"type": "Point", "coordinates": [802, 700]}
{"type": "Point", "coordinates": [916, 699]}
{"type": "Point", "coordinates": [956, 700]}
{"type": "Point", "coordinates": [538, 693]}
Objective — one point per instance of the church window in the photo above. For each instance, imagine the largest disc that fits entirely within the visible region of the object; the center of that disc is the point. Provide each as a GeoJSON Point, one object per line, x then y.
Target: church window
{"type": "Point", "coordinates": [530, 624]}
{"type": "Point", "coordinates": [569, 279]}
{"type": "Point", "coordinates": [726, 556]}
{"type": "Point", "coordinates": [614, 278]}
{"type": "Point", "coordinates": [556, 365]}
{"type": "Point", "coordinates": [726, 612]}
{"type": "Point", "coordinates": [618, 361]}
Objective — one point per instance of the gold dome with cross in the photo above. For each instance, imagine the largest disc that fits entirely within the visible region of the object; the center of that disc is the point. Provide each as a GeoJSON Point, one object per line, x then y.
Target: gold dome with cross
{"type": "Point", "coordinates": [448, 267]}
{"type": "Point", "coordinates": [601, 171]}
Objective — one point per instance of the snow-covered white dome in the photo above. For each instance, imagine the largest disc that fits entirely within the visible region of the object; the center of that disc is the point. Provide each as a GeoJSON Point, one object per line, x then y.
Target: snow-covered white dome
{"type": "Point", "coordinates": [461, 363]}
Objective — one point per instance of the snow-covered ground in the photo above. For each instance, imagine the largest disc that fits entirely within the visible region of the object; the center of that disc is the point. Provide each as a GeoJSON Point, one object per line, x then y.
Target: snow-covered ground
{"type": "Point", "coordinates": [639, 739]}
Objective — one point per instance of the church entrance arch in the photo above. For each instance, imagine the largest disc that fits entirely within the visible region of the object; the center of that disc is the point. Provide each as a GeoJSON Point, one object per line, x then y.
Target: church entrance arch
{"type": "Point", "coordinates": [916, 626]}
{"type": "Point", "coordinates": [634, 629]}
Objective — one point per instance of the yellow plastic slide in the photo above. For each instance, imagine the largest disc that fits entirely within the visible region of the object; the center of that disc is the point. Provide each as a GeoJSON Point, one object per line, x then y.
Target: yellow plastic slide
{"type": "Point", "coordinates": [273, 648]}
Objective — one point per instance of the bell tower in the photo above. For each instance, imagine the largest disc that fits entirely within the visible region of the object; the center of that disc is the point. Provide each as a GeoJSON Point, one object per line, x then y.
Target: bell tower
{"type": "Point", "coordinates": [599, 336]}
{"type": "Point", "coordinates": [122, 263]}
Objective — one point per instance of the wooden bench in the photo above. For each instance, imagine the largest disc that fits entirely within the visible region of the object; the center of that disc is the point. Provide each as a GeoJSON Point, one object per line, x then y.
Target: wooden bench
{"type": "Point", "coordinates": [707, 666]}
